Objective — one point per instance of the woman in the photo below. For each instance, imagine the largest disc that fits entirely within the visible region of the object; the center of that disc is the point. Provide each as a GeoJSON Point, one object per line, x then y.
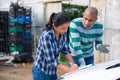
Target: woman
{"type": "Point", "coordinates": [52, 42]}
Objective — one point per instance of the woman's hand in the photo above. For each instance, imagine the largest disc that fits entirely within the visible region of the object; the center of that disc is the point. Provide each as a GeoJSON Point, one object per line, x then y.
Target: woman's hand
{"type": "Point", "coordinates": [66, 68]}
{"type": "Point", "coordinates": [73, 67]}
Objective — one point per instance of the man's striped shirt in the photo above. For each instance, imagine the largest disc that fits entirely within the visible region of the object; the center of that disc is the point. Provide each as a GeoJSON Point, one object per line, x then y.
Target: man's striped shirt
{"type": "Point", "coordinates": [81, 39]}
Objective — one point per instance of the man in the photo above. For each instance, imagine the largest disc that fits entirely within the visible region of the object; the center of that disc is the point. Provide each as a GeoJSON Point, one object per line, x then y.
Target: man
{"type": "Point", "coordinates": [83, 34]}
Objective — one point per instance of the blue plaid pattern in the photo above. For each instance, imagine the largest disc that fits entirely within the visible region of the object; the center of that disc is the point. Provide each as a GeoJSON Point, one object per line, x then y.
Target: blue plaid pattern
{"type": "Point", "coordinates": [48, 51]}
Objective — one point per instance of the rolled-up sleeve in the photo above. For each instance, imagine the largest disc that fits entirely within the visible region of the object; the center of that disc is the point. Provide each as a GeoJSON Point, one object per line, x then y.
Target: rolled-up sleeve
{"type": "Point", "coordinates": [66, 49]}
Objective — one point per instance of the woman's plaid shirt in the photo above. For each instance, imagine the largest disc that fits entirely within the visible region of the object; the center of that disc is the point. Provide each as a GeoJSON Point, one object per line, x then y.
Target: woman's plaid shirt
{"type": "Point", "coordinates": [48, 51]}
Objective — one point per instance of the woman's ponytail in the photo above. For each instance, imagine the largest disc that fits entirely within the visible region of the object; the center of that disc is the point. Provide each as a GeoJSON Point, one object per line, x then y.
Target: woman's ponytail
{"type": "Point", "coordinates": [50, 22]}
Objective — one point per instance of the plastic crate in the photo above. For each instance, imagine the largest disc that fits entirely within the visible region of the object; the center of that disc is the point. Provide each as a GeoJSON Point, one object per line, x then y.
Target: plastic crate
{"type": "Point", "coordinates": [1, 39]}
{"type": "Point", "coordinates": [12, 13]}
{"type": "Point", "coordinates": [20, 11]}
{"type": "Point", "coordinates": [3, 29]}
{"type": "Point", "coordinates": [2, 35]}
{"type": "Point", "coordinates": [16, 48]}
{"type": "Point", "coordinates": [18, 42]}
{"type": "Point", "coordinates": [24, 56]}
{"type": "Point", "coordinates": [13, 19]}
{"type": "Point", "coordinates": [28, 47]}
{"type": "Point", "coordinates": [27, 34]}
{"type": "Point", "coordinates": [12, 24]}
{"type": "Point", "coordinates": [15, 36]}
{"type": "Point", "coordinates": [15, 29]}
{"type": "Point", "coordinates": [27, 41]}
{"type": "Point", "coordinates": [28, 11]}
{"type": "Point", "coordinates": [27, 18]}
{"type": "Point", "coordinates": [3, 46]}
{"type": "Point", "coordinates": [15, 24]}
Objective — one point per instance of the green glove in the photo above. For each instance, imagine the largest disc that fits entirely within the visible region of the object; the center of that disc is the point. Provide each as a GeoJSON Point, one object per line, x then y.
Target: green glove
{"type": "Point", "coordinates": [102, 48]}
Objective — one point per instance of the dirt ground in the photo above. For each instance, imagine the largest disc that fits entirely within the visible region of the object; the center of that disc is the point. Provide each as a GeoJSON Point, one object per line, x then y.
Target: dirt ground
{"type": "Point", "coordinates": [21, 71]}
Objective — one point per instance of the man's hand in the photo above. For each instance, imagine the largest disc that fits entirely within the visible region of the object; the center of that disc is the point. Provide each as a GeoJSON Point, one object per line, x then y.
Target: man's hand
{"type": "Point", "coordinates": [103, 48]}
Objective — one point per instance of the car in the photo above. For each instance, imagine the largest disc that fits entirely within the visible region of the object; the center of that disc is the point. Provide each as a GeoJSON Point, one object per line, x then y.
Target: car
{"type": "Point", "coordinates": [109, 70]}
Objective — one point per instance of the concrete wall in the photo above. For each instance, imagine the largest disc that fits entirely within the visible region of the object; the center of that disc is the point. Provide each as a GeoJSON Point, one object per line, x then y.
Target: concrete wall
{"type": "Point", "coordinates": [52, 7]}
{"type": "Point", "coordinates": [77, 2]}
{"type": "Point", "coordinates": [100, 5]}
{"type": "Point", "coordinates": [112, 26]}
{"type": "Point", "coordinates": [109, 11]}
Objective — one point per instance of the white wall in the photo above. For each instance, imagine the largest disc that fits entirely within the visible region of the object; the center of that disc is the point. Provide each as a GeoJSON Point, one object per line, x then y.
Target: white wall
{"type": "Point", "coordinates": [78, 2]}
{"type": "Point", "coordinates": [112, 28]}
{"type": "Point", "coordinates": [52, 7]}
{"type": "Point", "coordinates": [109, 15]}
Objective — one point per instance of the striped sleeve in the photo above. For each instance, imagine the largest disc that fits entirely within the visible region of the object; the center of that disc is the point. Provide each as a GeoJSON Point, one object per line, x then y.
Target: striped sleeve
{"type": "Point", "coordinates": [74, 38]}
{"type": "Point", "coordinates": [99, 37]}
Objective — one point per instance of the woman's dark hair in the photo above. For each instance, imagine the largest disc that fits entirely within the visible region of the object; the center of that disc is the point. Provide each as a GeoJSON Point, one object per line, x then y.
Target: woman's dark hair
{"type": "Point", "coordinates": [58, 19]}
